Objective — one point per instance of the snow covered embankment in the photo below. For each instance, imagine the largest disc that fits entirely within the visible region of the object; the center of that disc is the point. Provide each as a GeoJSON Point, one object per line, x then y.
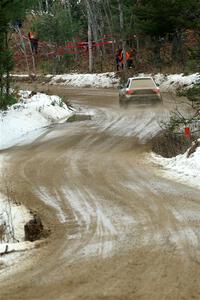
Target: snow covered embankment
{"type": "Point", "coordinates": [183, 167]}
{"type": "Point", "coordinates": [23, 121]}
{"type": "Point", "coordinates": [167, 83]}
{"type": "Point", "coordinates": [13, 217]}
{"type": "Point", "coordinates": [29, 116]}
{"type": "Point", "coordinates": [101, 80]}
{"type": "Point", "coordinates": [174, 82]}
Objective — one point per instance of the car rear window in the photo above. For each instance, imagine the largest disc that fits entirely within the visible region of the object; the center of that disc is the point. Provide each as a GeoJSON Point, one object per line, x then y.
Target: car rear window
{"type": "Point", "coordinates": [142, 83]}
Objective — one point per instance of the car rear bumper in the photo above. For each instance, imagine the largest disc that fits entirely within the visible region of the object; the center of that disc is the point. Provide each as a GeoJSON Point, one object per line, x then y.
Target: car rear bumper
{"type": "Point", "coordinates": [141, 98]}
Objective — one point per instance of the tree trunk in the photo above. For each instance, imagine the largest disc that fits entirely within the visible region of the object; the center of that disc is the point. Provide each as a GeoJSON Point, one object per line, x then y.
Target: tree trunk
{"type": "Point", "coordinates": [90, 46]}
{"type": "Point", "coordinates": [47, 6]}
{"type": "Point", "coordinates": [137, 44]}
{"type": "Point", "coordinates": [93, 11]}
{"type": "Point", "coordinates": [7, 69]}
{"type": "Point", "coordinates": [122, 31]}
{"type": "Point", "coordinates": [177, 48]}
{"type": "Point", "coordinates": [110, 25]}
{"type": "Point", "coordinates": [23, 48]}
{"type": "Point", "coordinates": [89, 37]}
{"type": "Point", "coordinates": [158, 60]}
{"type": "Point", "coordinates": [71, 24]}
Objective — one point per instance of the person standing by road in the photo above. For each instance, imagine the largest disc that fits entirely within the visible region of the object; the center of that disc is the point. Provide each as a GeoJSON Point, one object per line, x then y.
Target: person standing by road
{"type": "Point", "coordinates": [117, 58]}
{"type": "Point", "coordinates": [120, 59]}
{"type": "Point", "coordinates": [131, 59]}
{"type": "Point", "coordinates": [33, 41]}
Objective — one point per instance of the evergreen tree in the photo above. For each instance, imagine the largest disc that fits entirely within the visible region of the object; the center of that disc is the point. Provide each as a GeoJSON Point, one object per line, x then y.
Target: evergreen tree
{"type": "Point", "coordinates": [159, 18]}
{"type": "Point", "coordinates": [10, 10]}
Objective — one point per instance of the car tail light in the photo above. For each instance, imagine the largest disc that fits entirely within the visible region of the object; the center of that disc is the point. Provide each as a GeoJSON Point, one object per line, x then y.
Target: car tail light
{"type": "Point", "coordinates": [157, 90]}
{"type": "Point", "coordinates": [130, 92]}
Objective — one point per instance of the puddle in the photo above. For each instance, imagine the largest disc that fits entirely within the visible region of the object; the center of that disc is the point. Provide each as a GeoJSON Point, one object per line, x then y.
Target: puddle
{"type": "Point", "coordinates": [78, 118]}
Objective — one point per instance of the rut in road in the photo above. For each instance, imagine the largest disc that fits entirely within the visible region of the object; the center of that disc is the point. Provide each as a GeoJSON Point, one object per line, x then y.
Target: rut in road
{"type": "Point", "coordinates": [118, 229]}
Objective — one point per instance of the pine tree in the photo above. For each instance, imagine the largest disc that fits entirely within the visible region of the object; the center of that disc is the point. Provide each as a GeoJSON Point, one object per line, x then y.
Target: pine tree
{"type": "Point", "coordinates": [10, 10]}
{"type": "Point", "coordinates": [159, 18]}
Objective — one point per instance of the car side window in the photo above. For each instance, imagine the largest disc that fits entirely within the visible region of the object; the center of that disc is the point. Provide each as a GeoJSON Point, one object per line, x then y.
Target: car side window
{"type": "Point", "coordinates": [128, 82]}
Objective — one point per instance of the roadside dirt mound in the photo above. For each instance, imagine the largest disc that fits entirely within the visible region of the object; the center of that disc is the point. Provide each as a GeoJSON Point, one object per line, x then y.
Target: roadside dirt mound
{"type": "Point", "coordinates": [34, 229]}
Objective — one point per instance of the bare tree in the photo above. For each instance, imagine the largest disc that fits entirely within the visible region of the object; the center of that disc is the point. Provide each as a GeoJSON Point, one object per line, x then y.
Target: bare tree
{"type": "Point", "coordinates": [24, 51]}
{"type": "Point", "coordinates": [89, 36]}
{"type": "Point", "coordinates": [122, 30]}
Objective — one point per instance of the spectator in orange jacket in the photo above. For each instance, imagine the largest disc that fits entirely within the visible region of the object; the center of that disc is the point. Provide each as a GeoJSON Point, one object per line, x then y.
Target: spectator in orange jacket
{"type": "Point", "coordinates": [121, 60]}
{"type": "Point", "coordinates": [118, 58]}
{"type": "Point", "coordinates": [33, 41]}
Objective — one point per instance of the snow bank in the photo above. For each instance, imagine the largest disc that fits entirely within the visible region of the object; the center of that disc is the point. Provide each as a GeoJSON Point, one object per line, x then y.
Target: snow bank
{"type": "Point", "coordinates": [30, 115]}
{"type": "Point", "coordinates": [183, 168]}
{"type": "Point", "coordinates": [102, 80]}
{"type": "Point", "coordinates": [20, 76]}
{"type": "Point", "coordinates": [13, 217]}
{"type": "Point", "coordinates": [167, 83]}
{"type": "Point", "coordinates": [175, 82]}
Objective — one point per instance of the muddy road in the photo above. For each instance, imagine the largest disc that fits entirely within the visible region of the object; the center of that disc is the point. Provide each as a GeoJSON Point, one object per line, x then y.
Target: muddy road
{"type": "Point", "coordinates": [119, 230]}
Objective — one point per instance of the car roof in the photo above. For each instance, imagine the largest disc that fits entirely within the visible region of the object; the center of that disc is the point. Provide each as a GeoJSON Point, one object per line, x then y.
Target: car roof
{"type": "Point", "coordinates": [146, 77]}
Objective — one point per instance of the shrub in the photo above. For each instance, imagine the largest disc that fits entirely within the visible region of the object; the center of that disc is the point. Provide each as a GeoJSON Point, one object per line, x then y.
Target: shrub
{"type": "Point", "coordinates": [7, 100]}
{"type": "Point", "coordinates": [169, 144]}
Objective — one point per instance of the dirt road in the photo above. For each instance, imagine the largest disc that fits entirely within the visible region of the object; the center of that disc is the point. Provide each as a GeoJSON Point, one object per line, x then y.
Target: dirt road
{"type": "Point", "coordinates": [119, 230]}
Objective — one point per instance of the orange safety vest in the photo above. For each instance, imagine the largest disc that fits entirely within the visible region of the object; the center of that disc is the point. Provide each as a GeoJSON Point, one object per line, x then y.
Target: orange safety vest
{"type": "Point", "coordinates": [121, 56]}
{"type": "Point", "coordinates": [127, 56]}
{"type": "Point", "coordinates": [31, 35]}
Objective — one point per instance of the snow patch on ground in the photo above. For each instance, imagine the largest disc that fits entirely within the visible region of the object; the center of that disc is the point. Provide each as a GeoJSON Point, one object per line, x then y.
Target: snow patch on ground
{"type": "Point", "coordinates": [101, 80]}
{"type": "Point", "coordinates": [174, 82]}
{"type": "Point", "coordinates": [184, 169]}
{"type": "Point", "coordinates": [13, 217]}
{"type": "Point", "coordinates": [16, 247]}
{"type": "Point", "coordinates": [143, 123]}
{"type": "Point", "coordinates": [26, 119]}
{"type": "Point", "coordinates": [111, 223]}
{"type": "Point", "coordinates": [167, 83]}
{"type": "Point", "coordinates": [22, 122]}
{"type": "Point", "coordinates": [52, 200]}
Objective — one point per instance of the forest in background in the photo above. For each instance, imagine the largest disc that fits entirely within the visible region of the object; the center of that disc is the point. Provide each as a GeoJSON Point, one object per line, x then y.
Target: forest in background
{"type": "Point", "coordinates": [84, 36]}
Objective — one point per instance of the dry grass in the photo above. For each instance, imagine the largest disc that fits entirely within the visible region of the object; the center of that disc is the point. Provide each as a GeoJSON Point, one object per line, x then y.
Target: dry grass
{"type": "Point", "coordinates": [2, 232]}
{"type": "Point", "coordinates": [169, 144]}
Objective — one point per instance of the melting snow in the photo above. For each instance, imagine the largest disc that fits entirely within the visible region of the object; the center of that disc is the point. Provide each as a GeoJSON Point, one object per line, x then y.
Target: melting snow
{"type": "Point", "coordinates": [103, 80]}
{"type": "Point", "coordinates": [185, 169]}
{"type": "Point", "coordinates": [30, 115]}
